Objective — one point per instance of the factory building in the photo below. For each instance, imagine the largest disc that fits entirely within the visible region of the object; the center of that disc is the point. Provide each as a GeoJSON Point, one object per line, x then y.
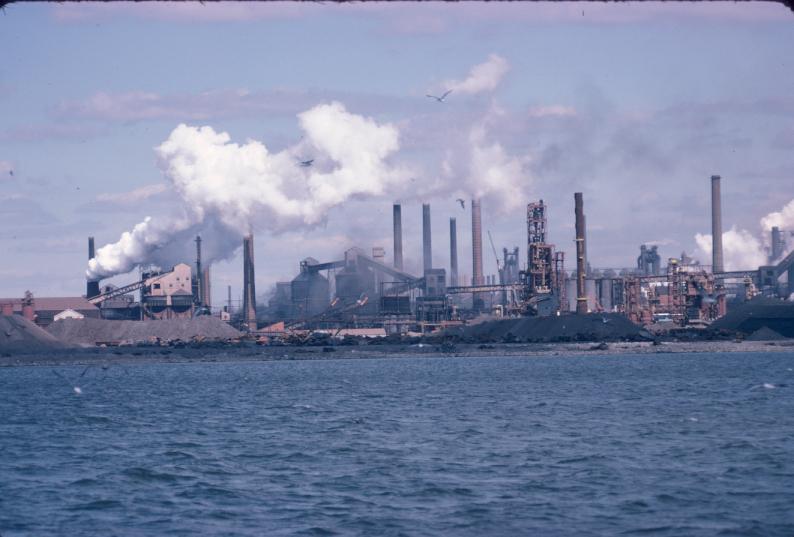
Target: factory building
{"type": "Point", "coordinates": [45, 310]}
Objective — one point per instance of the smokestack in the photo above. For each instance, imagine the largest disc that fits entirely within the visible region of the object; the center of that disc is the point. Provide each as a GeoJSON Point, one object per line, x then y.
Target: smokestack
{"type": "Point", "coordinates": [777, 244]}
{"type": "Point", "coordinates": [476, 242]}
{"type": "Point", "coordinates": [453, 252]}
{"type": "Point", "coordinates": [249, 293]}
{"type": "Point", "coordinates": [427, 250]}
{"type": "Point", "coordinates": [205, 288]}
{"type": "Point", "coordinates": [398, 237]}
{"type": "Point", "coordinates": [198, 284]}
{"type": "Point", "coordinates": [229, 299]}
{"type": "Point", "coordinates": [91, 286]}
{"type": "Point", "coordinates": [581, 261]}
{"type": "Point", "coordinates": [716, 225]}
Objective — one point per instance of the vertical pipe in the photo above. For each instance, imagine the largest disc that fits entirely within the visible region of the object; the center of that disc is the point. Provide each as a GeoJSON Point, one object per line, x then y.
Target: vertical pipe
{"type": "Point", "coordinates": [581, 261]}
{"type": "Point", "coordinates": [476, 242]}
{"type": "Point", "coordinates": [229, 299]}
{"type": "Point", "coordinates": [427, 250]}
{"type": "Point", "coordinates": [398, 237]}
{"type": "Point", "coordinates": [249, 292]}
{"type": "Point", "coordinates": [91, 287]}
{"type": "Point", "coordinates": [206, 292]}
{"type": "Point", "coordinates": [777, 249]}
{"type": "Point", "coordinates": [453, 252]}
{"type": "Point", "coordinates": [716, 225]}
{"type": "Point", "coordinates": [198, 284]}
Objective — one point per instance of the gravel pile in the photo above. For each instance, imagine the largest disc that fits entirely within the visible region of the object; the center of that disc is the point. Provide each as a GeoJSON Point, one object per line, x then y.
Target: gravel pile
{"type": "Point", "coordinates": [592, 327]}
{"type": "Point", "coordinates": [98, 331]}
{"type": "Point", "coordinates": [775, 315]}
{"type": "Point", "coordinates": [17, 334]}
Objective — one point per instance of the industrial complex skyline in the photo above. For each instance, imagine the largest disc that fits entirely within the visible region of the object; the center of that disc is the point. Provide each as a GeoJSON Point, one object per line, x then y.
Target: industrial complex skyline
{"type": "Point", "coordinates": [97, 136]}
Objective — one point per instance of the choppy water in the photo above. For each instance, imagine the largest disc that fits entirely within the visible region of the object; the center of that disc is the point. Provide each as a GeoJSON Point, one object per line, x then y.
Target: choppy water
{"type": "Point", "coordinates": [661, 445]}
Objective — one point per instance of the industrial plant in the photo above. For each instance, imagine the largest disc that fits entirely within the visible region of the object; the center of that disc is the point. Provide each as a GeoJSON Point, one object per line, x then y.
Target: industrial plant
{"type": "Point", "coordinates": [361, 294]}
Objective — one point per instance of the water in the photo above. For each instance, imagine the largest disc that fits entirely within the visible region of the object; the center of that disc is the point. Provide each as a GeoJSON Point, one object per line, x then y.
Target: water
{"type": "Point", "coordinates": [631, 445]}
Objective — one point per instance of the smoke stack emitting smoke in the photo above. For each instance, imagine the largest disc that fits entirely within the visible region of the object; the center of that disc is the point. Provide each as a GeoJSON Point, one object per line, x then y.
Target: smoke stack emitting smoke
{"type": "Point", "coordinates": [229, 189]}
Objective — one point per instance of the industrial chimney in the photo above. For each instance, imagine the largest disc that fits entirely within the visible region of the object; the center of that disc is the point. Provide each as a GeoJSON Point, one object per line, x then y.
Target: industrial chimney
{"type": "Point", "coordinates": [453, 252]}
{"type": "Point", "coordinates": [476, 243]}
{"type": "Point", "coordinates": [249, 292]}
{"type": "Point", "coordinates": [427, 250]}
{"type": "Point", "coordinates": [716, 225]}
{"type": "Point", "coordinates": [581, 261]}
{"type": "Point", "coordinates": [197, 286]}
{"type": "Point", "coordinates": [205, 288]}
{"type": "Point", "coordinates": [91, 287]}
{"type": "Point", "coordinates": [398, 237]}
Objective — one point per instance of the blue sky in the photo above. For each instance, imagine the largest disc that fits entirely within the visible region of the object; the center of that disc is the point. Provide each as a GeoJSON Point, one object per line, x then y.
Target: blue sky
{"type": "Point", "coordinates": [636, 105]}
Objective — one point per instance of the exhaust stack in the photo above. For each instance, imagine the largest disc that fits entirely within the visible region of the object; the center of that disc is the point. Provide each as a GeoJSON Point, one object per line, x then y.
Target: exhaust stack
{"type": "Point", "coordinates": [453, 252]}
{"type": "Point", "coordinates": [476, 243]}
{"type": "Point", "coordinates": [398, 237]}
{"type": "Point", "coordinates": [581, 261]}
{"type": "Point", "coordinates": [91, 287]}
{"type": "Point", "coordinates": [427, 250]}
{"type": "Point", "coordinates": [249, 293]}
{"type": "Point", "coordinates": [716, 226]}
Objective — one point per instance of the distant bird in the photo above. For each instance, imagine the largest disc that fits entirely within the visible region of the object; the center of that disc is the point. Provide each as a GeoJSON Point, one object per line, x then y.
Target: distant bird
{"type": "Point", "coordinates": [11, 173]}
{"type": "Point", "coordinates": [77, 389]}
{"type": "Point", "coordinates": [604, 320]}
{"type": "Point", "coordinates": [462, 203]}
{"type": "Point", "coordinates": [440, 99]}
{"type": "Point", "coordinates": [305, 163]}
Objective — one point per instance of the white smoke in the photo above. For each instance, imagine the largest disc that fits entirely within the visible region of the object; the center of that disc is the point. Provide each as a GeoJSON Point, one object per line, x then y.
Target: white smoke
{"type": "Point", "coordinates": [236, 187]}
{"type": "Point", "coordinates": [740, 249]}
{"type": "Point", "coordinates": [485, 76]}
{"type": "Point", "coordinates": [744, 251]}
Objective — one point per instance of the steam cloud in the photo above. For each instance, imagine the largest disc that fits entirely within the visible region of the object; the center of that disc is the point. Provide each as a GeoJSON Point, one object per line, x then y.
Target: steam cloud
{"type": "Point", "coordinates": [744, 251]}
{"type": "Point", "coordinates": [485, 76]}
{"type": "Point", "coordinates": [228, 188]}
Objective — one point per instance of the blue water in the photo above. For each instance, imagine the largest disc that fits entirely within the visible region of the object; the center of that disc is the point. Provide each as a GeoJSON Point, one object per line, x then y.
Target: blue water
{"type": "Point", "coordinates": [623, 445]}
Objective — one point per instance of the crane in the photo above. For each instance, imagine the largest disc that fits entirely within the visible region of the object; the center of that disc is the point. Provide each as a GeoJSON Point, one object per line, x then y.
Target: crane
{"type": "Point", "coordinates": [498, 264]}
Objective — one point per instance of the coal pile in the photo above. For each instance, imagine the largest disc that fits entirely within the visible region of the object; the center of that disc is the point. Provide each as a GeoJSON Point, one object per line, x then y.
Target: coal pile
{"type": "Point", "coordinates": [565, 328]}
{"type": "Point", "coordinates": [99, 331]}
{"type": "Point", "coordinates": [18, 335]}
{"type": "Point", "coordinates": [774, 315]}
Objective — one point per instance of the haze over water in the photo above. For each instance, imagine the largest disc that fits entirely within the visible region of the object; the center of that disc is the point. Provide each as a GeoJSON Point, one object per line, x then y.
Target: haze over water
{"type": "Point", "coordinates": [662, 445]}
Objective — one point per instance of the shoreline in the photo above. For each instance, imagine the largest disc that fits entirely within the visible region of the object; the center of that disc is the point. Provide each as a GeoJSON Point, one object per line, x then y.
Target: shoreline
{"type": "Point", "coordinates": [215, 353]}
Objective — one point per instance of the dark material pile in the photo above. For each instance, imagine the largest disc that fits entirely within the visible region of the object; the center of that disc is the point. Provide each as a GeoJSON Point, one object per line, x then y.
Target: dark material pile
{"type": "Point", "coordinates": [772, 314]}
{"type": "Point", "coordinates": [99, 331]}
{"type": "Point", "coordinates": [565, 328]}
{"type": "Point", "coordinates": [18, 335]}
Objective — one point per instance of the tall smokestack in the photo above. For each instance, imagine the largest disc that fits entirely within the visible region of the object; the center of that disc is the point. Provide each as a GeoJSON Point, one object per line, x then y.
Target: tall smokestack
{"type": "Point", "coordinates": [198, 284]}
{"type": "Point", "coordinates": [581, 261]}
{"type": "Point", "coordinates": [229, 299]}
{"type": "Point", "coordinates": [205, 288]}
{"type": "Point", "coordinates": [91, 286]}
{"type": "Point", "coordinates": [249, 293]}
{"type": "Point", "coordinates": [427, 250]}
{"type": "Point", "coordinates": [476, 243]}
{"type": "Point", "coordinates": [777, 244]}
{"type": "Point", "coordinates": [716, 225]}
{"type": "Point", "coordinates": [453, 252]}
{"type": "Point", "coordinates": [398, 237]}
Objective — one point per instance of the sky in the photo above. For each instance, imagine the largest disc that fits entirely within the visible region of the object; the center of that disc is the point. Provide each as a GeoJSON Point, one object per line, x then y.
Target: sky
{"type": "Point", "coordinates": [173, 119]}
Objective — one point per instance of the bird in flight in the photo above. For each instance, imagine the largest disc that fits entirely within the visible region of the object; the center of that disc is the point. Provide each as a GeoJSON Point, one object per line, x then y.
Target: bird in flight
{"type": "Point", "coordinates": [305, 163]}
{"type": "Point", "coordinates": [462, 203]}
{"type": "Point", "coordinates": [77, 389]}
{"type": "Point", "coordinates": [440, 99]}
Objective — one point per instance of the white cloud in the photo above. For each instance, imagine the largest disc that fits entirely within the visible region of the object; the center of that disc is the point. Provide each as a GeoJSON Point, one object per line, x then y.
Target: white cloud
{"type": "Point", "coordinates": [485, 76]}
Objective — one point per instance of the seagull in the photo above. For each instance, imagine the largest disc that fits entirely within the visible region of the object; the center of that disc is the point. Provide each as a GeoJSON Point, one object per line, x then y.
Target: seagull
{"type": "Point", "coordinates": [11, 173]}
{"type": "Point", "coordinates": [462, 203]}
{"type": "Point", "coordinates": [77, 389]}
{"type": "Point", "coordinates": [440, 99]}
{"type": "Point", "coordinates": [305, 163]}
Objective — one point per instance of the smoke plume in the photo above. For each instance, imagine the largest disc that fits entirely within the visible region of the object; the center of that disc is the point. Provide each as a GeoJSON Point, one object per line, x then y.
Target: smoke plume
{"type": "Point", "coordinates": [227, 188]}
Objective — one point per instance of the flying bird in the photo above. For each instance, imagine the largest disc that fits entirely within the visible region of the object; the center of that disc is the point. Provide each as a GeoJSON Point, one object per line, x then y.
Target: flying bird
{"type": "Point", "coordinates": [11, 173]}
{"type": "Point", "coordinates": [462, 203]}
{"type": "Point", "coordinates": [440, 99]}
{"type": "Point", "coordinates": [77, 389]}
{"type": "Point", "coordinates": [305, 163]}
